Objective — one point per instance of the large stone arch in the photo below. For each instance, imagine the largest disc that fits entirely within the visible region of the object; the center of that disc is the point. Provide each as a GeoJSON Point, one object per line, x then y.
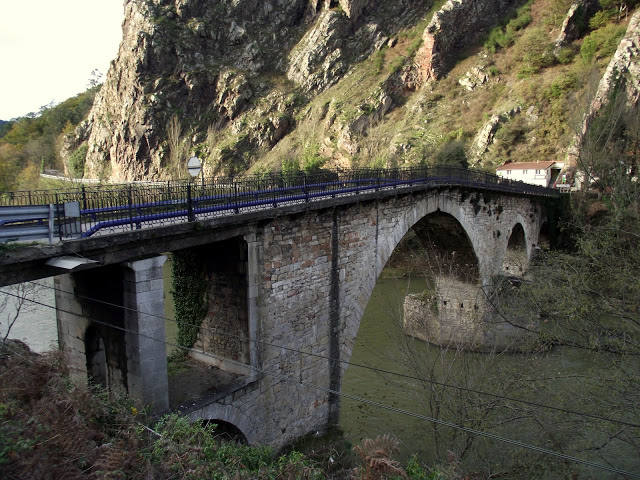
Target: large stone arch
{"type": "Point", "coordinates": [530, 227]}
{"type": "Point", "coordinates": [389, 231]}
{"type": "Point", "coordinates": [426, 206]}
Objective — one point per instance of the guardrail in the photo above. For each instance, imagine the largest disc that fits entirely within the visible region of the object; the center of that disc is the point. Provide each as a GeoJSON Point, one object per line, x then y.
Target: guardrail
{"type": "Point", "coordinates": [36, 222]}
{"type": "Point", "coordinates": [134, 206]}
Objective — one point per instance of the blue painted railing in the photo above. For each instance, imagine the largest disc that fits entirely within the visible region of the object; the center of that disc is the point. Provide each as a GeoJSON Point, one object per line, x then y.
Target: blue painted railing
{"type": "Point", "coordinates": [132, 206]}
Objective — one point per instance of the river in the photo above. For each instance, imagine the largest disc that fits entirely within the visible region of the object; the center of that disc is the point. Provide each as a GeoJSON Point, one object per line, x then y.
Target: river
{"type": "Point", "coordinates": [566, 378]}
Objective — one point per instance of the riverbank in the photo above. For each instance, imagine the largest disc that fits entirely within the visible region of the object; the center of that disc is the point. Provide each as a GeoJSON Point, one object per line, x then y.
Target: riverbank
{"type": "Point", "coordinates": [49, 429]}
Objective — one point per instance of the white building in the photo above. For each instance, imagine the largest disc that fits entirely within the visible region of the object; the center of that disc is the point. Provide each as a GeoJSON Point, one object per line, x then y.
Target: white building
{"type": "Point", "coordinates": [544, 174]}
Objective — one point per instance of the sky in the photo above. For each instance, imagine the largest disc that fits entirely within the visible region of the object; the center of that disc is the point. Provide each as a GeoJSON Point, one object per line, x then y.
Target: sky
{"type": "Point", "coordinates": [48, 49]}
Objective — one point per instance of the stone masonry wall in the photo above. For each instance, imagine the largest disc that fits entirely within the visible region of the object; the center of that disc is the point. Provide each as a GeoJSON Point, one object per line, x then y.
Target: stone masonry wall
{"type": "Point", "coordinates": [225, 329]}
{"type": "Point", "coordinates": [452, 316]}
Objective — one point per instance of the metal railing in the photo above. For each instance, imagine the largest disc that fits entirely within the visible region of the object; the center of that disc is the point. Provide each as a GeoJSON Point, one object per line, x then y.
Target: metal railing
{"type": "Point", "coordinates": [112, 208]}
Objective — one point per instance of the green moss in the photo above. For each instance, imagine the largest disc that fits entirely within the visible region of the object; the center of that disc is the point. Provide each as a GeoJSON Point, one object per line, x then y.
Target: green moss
{"type": "Point", "coordinates": [189, 290]}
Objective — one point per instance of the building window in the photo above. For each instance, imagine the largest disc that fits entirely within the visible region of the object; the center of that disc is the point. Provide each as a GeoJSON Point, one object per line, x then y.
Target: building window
{"type": "Point", "coordinates": [524, 172]}
{"type": "Point", "coordinates": [508, 172]}
{"type": "Point", "coordinates": [538, 172]}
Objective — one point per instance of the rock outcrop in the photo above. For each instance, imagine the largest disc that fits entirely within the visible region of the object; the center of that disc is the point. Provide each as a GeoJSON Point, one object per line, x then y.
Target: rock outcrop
{"type": "Point", "coordinates": [208, 64]}
{"type": "Point", "coordinates": [474, 78]}
{"type": "Point", "coordinates": [458, 24]}
{"type": "Point", "coordinates": [484, 137]}
{"type": "Point", "coordinates": [576, 21]}
{"type": "Point", "coordinates": [622, 72]}
{"type": "Point", "coordinates": [191, 58]}
{"type": "Point", "coordinates": [352, 8]}
{"type": "Point", "coordinates": [318, 60]}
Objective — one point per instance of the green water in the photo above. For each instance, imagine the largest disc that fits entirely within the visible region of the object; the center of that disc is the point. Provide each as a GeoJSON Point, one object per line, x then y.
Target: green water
{"type": "Point", "coordinates": [568, 378]}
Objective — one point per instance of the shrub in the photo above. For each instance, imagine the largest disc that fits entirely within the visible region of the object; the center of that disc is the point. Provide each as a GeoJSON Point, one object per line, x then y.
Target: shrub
{"type": "Point", "coordinates": [312, 161]}
{"type": "Point", "coordinates": [565, 55]}
{"type": "Point", "coordinates": [562, 85]}
{"type": "Point", "coordinates": [452, 153]}
{"type": "Point", "coordinates": [503, 37]}
{"type": "Point", "coordinates": [601, 18]}
{"type": "Point", "coordinates": [498, 39]}
{"type": "Point", "coordinates": [535, 52]}
{"type": "Point", "coordinates": [378, 60]}
{"type": "Point", "coordinates": [76, 161]}
{"type": "Point", "coordinates": [601, 43]}
{"type": "Point", "coordinates": [290, 168]}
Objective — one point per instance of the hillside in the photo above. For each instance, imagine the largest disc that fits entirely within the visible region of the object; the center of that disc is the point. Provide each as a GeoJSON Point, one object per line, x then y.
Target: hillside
{"type": "Point", "coordinates": [249, 85]}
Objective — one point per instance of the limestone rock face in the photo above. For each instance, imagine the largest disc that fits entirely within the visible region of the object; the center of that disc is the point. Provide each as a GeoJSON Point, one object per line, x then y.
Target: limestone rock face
{"type": "Point", "coordinates": [370, 112]}
{"type": "Point", "coordinates": [623, 70]}
{"type": "Point", "coordinates": [317, 61]}
{"type": "Point", "coordinates": [576, 21]}
{"type": "Point", "coordinates": [459, 23]}
{"type": "Point", "coordinates": [201, 66]}
{"type": "Point", "coordinates": [484, 137]}
{"type": "Point", "coordinates": [353, 8]}
{"type": "Point", "coordinates": [191, 58]}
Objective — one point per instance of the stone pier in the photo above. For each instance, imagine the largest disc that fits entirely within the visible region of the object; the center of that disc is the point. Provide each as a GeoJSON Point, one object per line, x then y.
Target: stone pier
{"type": "Point", "coordinates": [122, 349]}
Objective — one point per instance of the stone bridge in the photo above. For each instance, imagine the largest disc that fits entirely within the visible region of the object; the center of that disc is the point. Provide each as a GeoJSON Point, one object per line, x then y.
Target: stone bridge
{"type": "Point", "coordinates": [279, 282]}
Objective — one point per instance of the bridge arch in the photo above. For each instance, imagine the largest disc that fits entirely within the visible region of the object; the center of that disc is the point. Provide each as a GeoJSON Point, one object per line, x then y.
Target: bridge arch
{"type": "Point", "coordinates": [390, 233]}
{"type": "Point", "coordinates": [516, 255]}
{"type": "Point", "coordinates": [419, 210]}
{"type": "Point", "coordinates": [233, 417]}
{"type": "Point", "coordinates": [227, 431]}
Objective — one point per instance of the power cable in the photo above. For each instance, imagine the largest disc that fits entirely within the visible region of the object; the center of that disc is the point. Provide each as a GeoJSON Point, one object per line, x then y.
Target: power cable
{"type": "Point", "coordinates": [359, 365]}
{"type": "Point", "coordinates": [286, 378]}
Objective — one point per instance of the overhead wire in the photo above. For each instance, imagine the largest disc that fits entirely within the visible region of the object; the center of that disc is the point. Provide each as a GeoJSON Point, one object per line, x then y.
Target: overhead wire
{"type": "Point", "coordinates": [286, 378]}
{"type": "Point", "coordinates": [360, 365]}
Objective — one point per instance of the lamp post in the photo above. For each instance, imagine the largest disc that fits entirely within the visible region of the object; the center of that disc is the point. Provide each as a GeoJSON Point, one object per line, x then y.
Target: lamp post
{"type": "Point", "coordinates": [194, 166]}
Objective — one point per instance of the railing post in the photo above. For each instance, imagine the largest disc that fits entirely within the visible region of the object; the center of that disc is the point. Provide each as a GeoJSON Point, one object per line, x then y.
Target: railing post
{"type": "Point", "coordinates": [235, 197]}
{"type": "Point", "coordinates": [190, 215]}
{"type": "Point", "coordinates": [58, 218]}
{"type": "Point", "coordinates": [304, 187]}
{"type": "Point", "coordinates": [84, 198]}
{"type": "Point", "coordinates": [51, 223]}
{"type": "Point", "coordinates": [130, 199]}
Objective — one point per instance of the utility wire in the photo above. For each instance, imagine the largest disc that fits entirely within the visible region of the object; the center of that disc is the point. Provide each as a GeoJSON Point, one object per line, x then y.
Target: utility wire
{"type": "Point", "coordinates": [288, 379]}
{"type": "Point", "coordinates": [359, 365]}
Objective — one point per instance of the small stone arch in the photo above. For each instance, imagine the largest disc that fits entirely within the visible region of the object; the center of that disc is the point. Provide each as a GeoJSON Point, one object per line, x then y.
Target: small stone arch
{"type": "Point", "coordinates": [232, 416]}
{"type": "Point", "coordinates": [227, 431]}
{"type": "Point", "coordinates": [435, 203]}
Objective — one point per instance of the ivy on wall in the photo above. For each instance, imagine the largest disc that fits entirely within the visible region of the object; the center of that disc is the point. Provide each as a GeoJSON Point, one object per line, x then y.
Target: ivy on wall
{"type": "Point", "coordinates": [189, 285]}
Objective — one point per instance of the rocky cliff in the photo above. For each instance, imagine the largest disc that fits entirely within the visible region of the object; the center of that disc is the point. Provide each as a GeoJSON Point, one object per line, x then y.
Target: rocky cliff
{"type": "Point", "coordinates": [206, 62]}
{"type": "Point", "coordinates": [248, 84]}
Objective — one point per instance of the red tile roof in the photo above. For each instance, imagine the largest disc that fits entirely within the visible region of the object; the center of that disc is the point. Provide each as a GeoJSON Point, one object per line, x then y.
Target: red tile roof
{"type": "Point", "coordinates": [526, 165]}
